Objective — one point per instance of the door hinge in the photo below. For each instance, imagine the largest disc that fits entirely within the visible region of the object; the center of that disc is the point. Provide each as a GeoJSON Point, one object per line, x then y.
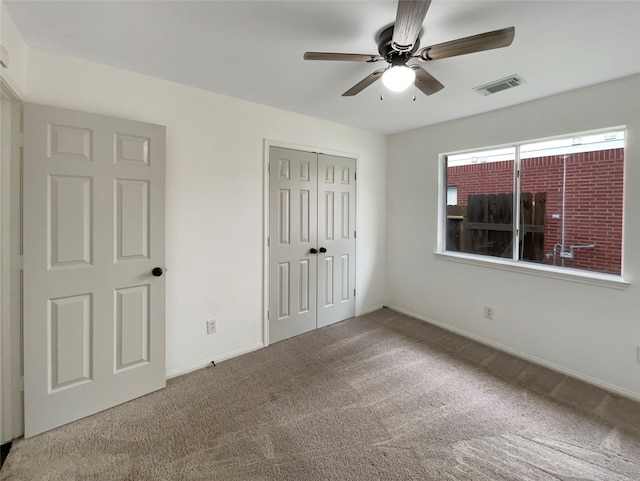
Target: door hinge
{"type": "Point", "coordinates": [268, 241]}
{"type": "Point", "coordinates": [269, 168]}
{"type": "Point", "coordinates": [354, 234]}
{"type": "Point", "coordinates": [355, 176]}
{"type": "Point", "coordinates": [354, 293]}
{"type": "Point", "coordinates": [268, 314]}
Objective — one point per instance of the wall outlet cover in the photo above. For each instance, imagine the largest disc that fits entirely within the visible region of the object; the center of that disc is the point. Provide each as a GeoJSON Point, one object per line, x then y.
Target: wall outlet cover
{"type": "Point", "coordinates": [212, 326]}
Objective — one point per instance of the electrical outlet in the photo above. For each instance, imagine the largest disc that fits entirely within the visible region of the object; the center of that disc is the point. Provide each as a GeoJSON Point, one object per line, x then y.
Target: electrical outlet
{"type": "Point", "coordinates": [212, 326]}
{"type": "Point", "coordinates": [488, 312]}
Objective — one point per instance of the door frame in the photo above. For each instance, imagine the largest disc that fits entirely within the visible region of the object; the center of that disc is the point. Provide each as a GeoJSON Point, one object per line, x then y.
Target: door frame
{"type": "Point", "coordinates": [267, 144]}
{"type": "Point", "coordinates": [11, 382]}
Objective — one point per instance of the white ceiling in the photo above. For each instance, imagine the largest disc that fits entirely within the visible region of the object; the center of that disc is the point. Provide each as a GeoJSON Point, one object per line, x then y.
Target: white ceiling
{"type": "Point", "coordinates": [253, 50]}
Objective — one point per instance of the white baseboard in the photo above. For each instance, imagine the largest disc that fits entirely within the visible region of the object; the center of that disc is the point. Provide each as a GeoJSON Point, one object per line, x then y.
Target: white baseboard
{"type": "Point", "coordinates": [207, 362]}
{"type": "Point", "coordinates": [536, 360]}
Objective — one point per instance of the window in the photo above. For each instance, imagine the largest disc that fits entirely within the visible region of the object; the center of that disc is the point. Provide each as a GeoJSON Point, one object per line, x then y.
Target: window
{"type": "Point", "coordinates": [556, 202]}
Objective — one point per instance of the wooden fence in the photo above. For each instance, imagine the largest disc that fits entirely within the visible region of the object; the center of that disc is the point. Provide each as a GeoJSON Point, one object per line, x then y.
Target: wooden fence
{"type": "Point", "coordinates": [485, 225]}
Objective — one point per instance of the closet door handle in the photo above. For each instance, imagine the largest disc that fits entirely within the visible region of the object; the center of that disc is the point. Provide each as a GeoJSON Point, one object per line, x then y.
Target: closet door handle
{"type": "Point", "coordinates": [313, 250]}
{"type": "Point", "coordinates": [322, 249]}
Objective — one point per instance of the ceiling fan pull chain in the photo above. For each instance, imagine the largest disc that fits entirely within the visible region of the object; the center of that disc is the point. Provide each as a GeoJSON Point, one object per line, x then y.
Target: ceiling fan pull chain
{"type": "Point", "coordinates": [381, 91]}
{"type": "Point", "coordinates": [414, 91]}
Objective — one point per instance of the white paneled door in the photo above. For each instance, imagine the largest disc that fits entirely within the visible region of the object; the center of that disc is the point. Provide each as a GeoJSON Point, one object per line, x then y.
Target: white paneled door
{"type": "Point", "coordinates": [336, 239]}
{"type": "Point", "coordinates": [311, 241]}
{"type": "Point", "coordinates": [94, 313]}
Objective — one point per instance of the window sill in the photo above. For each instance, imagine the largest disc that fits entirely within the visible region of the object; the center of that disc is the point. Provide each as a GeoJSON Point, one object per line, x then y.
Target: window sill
{"type": "Point", "coordinates": [580, 276]}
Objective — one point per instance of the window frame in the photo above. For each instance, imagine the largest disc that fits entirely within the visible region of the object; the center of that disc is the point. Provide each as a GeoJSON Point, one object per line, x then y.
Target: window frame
{"type": "Point", "coordinates": [514, 264]}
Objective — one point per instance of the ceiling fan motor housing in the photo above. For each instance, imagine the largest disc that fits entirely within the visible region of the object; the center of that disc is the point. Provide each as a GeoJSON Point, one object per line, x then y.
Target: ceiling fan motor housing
{"type": "Point", "coordinates": [386, 49]}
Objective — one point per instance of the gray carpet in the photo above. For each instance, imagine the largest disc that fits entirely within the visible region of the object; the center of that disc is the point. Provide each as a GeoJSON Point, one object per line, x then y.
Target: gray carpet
{"type": "Point", "coordinates": [379, 397]}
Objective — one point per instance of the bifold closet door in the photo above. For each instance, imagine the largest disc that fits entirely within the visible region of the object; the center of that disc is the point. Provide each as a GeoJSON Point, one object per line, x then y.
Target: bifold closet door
{"type": "Point", "coordinates": [293, 215]}
{"type": "Point", "coordinates": [311, 241]}
{"type": "Point", "coordinates": [336, 239]}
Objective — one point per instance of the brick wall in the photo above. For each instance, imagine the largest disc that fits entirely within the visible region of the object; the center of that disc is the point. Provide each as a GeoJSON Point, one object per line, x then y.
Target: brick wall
{"type": "Point", "coordinates": [593, 201]}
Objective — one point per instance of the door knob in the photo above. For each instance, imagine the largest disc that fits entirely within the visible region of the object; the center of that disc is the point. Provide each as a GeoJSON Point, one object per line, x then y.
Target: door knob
{"type": "Point", "coordinates": [313, 250]}
{"type": "Point", "coordinates": [322, 249]}
{"type": "Point", "coordinates": [157, 271]}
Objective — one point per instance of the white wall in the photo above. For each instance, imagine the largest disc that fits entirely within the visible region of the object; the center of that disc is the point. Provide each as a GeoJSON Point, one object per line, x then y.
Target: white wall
{"type": "Point", "coordinates": [586, 330]}
{"type": "Point", "coordinates": [214, 195]}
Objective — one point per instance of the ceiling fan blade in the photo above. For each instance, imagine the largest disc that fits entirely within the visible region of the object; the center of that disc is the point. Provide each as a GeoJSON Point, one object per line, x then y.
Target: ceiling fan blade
{"type": "Point", "coordinates": [426, 82]}
{"type": "Point", "coordinates": [409, 19]}
{"type": "Point", "coordinates": [348, 57]}
{"type": "Point", "coordinates": [474, 43]}
{"type": "Point", "coordinates": [364, 83]}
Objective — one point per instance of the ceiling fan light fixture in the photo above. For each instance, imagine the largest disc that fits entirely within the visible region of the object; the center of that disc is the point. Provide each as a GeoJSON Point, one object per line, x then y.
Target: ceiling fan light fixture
{"type": "Point", "coordinates": [398, 78]}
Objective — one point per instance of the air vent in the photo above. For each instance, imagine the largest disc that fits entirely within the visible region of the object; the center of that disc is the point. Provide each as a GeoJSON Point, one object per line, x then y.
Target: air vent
{"type": "Point", "coordinates": [500, 85]}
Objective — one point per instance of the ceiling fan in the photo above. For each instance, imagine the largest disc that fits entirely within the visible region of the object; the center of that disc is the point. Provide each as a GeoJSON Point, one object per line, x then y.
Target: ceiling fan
{"type": "Point", "coordinates": [399, 43]}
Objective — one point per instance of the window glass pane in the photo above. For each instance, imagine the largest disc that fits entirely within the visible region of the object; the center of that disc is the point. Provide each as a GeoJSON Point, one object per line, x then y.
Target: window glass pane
{"type": "Point", "coordinates": [571, 200]}
{"type": "Point", "coordinates": [452, 195]}
{"type": "Point", "coordinates": [480, 221]}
